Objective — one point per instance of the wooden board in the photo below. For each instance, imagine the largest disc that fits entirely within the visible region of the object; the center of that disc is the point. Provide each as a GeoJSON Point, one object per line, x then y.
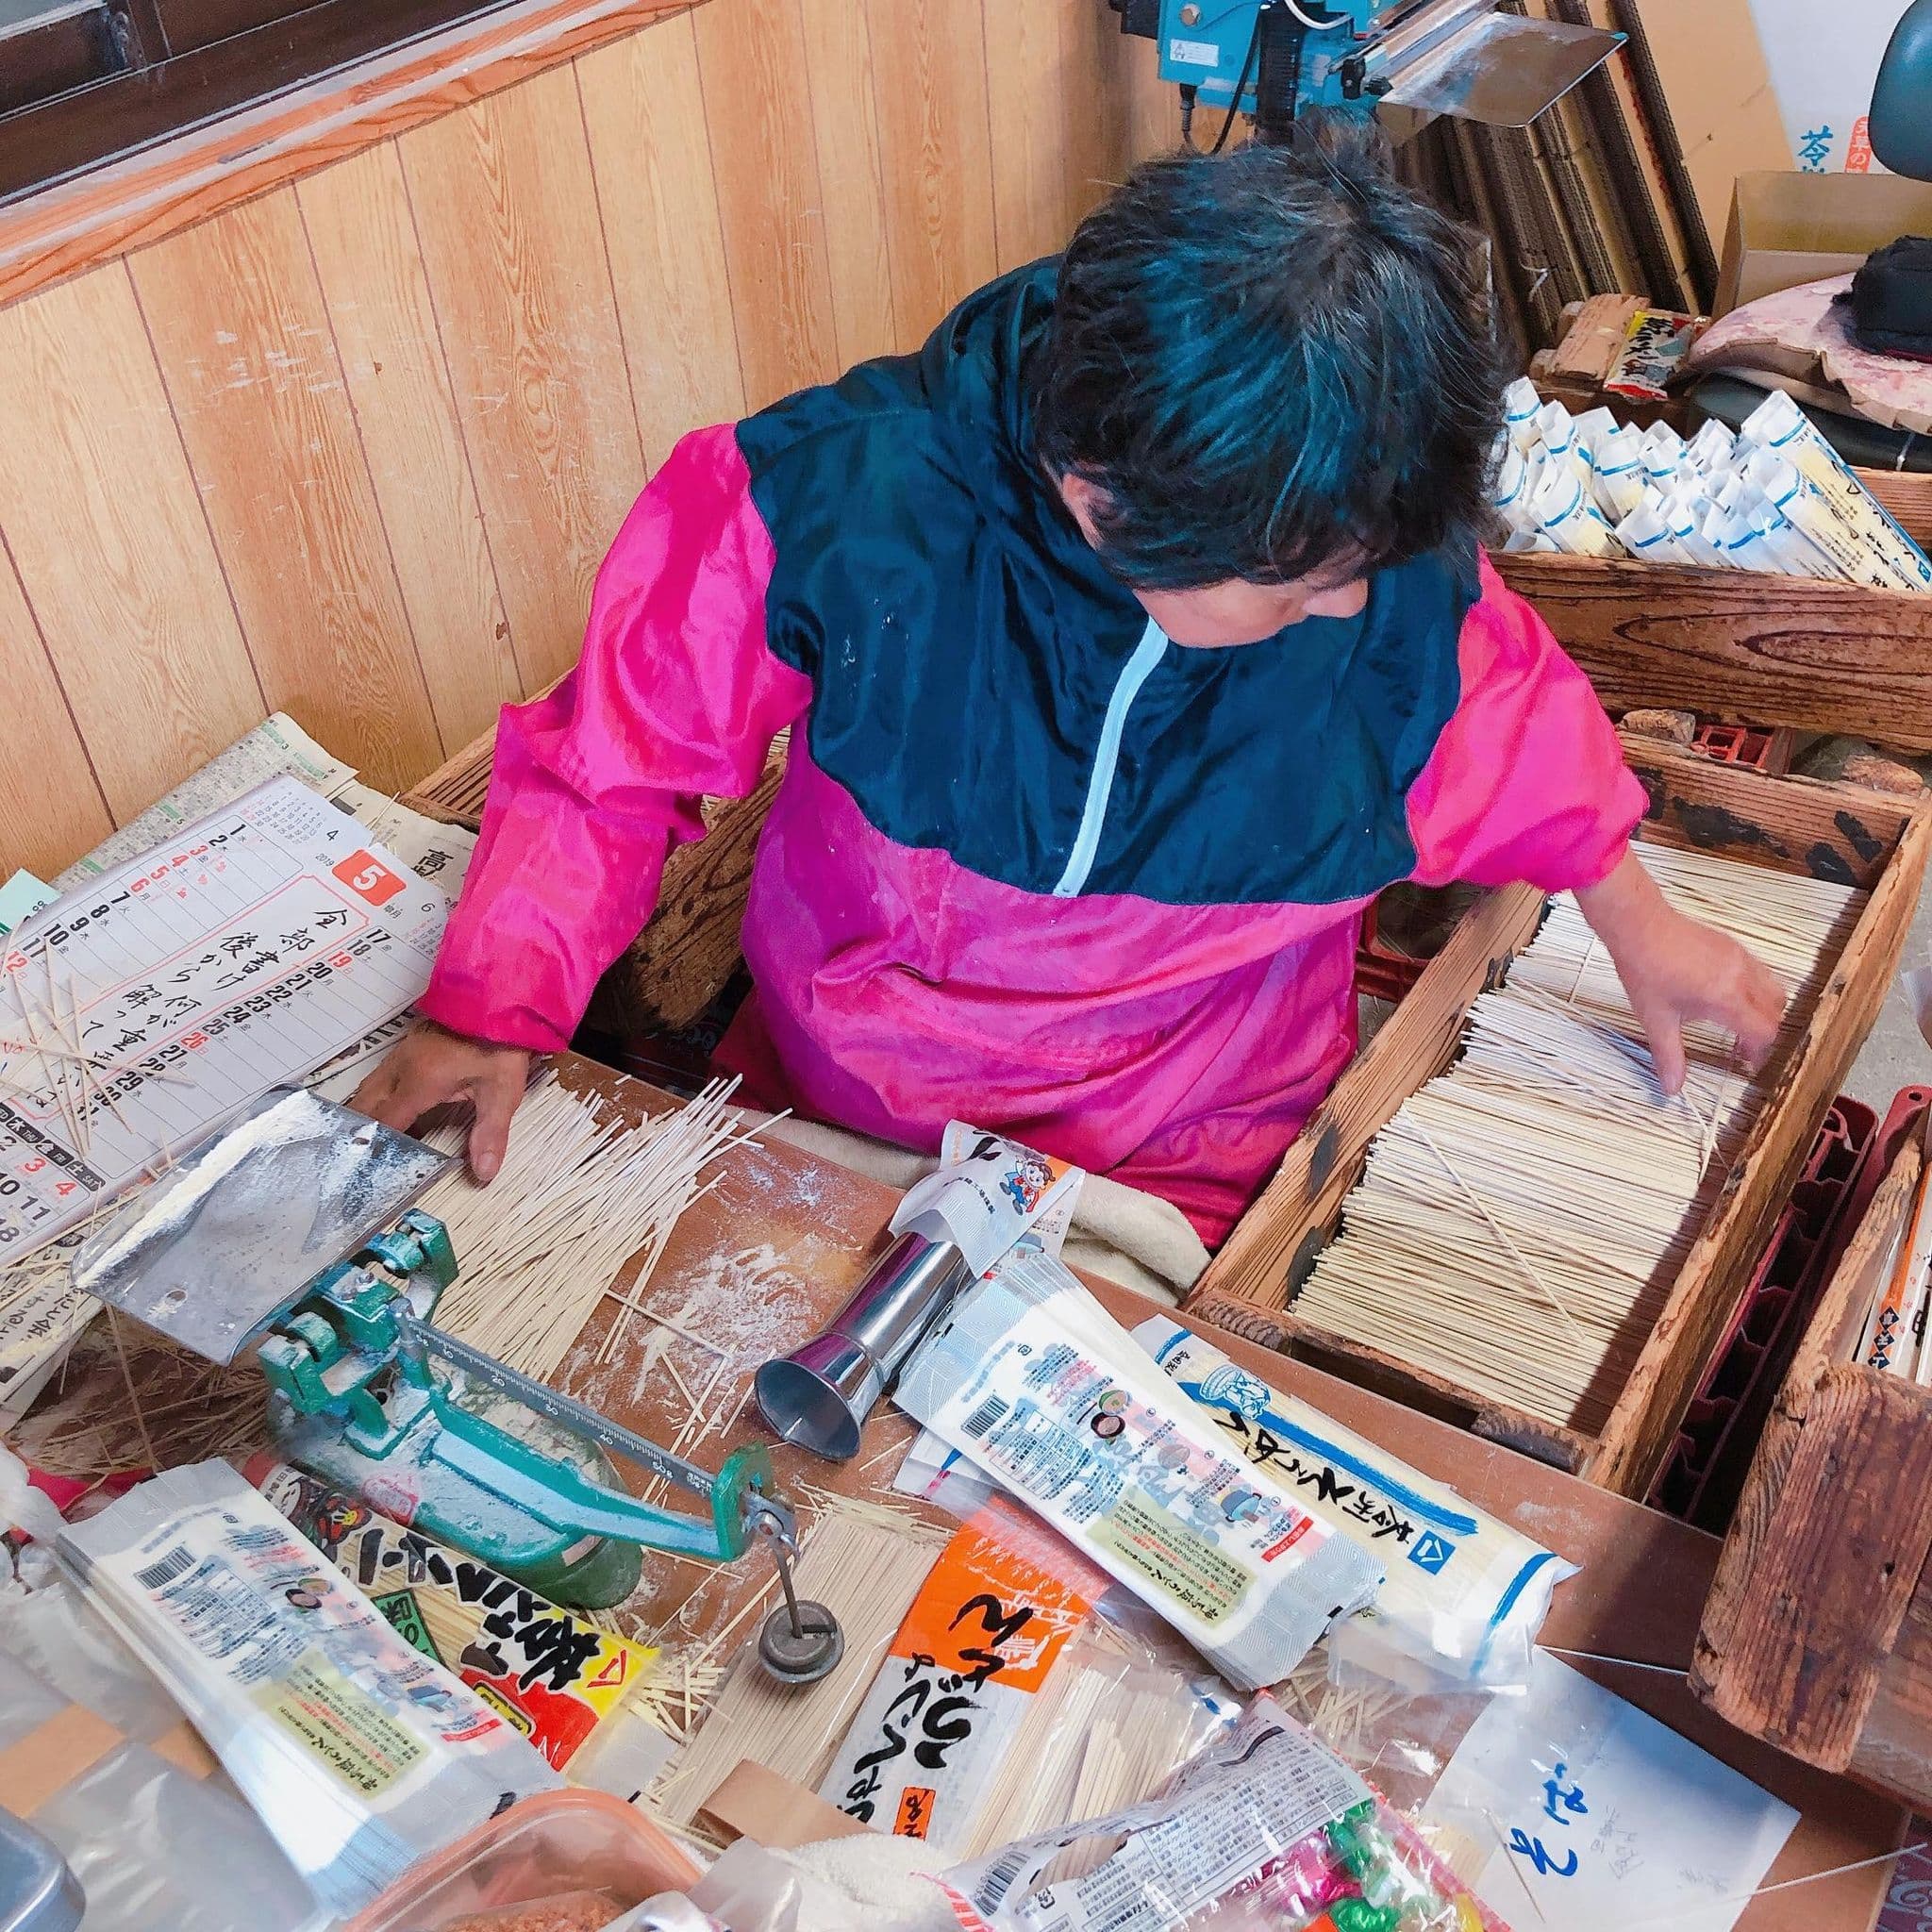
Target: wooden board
{"type": "Point", "coordinates": [752, 54]}
{"type": "Point", "coordinates": [249, 358]}
{"type": "Point", "coordinates": [1698, 803]}
{"type": "Point", "coordinates": [105, 523]}
{"type": "Point", "coordinates": [645, 117]}
{"type": "Point", "coordinates": [1815, 1636]}
{"type": "Point", "coordinates": [362, 235]}
{"type": "Point", "coordinates": [1032, 109]}
{"type": "Point", "coordinates": [930, 81]}
{"type": "Point", "coordinates": [652, 221]}
{"type": "Point", "coordinates": [1740, 646]}
{"type": "Point", "coordinates": [51, 804]}
{"type": "Point", "coordinates": [506, 214]}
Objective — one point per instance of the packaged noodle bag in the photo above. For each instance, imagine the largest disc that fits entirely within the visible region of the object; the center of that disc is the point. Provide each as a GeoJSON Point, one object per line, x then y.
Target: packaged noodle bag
{"type": "Point", "coordinates": [1464, 1592]}
{"type": "Point", "coordinates": [358, 1753]}
{"type": "Point", "coordinates": [1267, 1832]}
{"type": "Point", "coordinates": [1032, 1379]}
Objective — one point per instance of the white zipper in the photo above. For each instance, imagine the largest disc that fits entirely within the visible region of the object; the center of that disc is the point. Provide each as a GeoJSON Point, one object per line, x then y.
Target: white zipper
{"type": "Point", "coordinates": [1106, 758]}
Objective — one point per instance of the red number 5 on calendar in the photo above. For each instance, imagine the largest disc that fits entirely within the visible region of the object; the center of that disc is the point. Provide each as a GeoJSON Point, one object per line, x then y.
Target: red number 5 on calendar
{"type": "Point", "coordinates": [366, 876]}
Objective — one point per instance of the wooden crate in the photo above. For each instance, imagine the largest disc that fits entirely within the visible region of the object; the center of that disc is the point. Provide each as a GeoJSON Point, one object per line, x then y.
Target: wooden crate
{"type": "Point", "coordinates": [1746, 647]}
{"type": "Point", "coordinates": [1740, 645]}
{"type": "Point", "coordinates": [1830, 831]}
{"type": "Point", "coordinates": [1817, 1635]}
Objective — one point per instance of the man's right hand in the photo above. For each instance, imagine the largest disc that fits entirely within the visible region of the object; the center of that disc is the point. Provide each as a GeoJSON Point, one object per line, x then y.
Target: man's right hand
{"type": "Point", "coordinates": [430, 1067]}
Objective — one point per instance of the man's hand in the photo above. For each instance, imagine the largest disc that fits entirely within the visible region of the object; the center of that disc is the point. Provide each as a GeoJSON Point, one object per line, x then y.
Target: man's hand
{"type": "Point", "coordinates": [1675, 969]}
{"type": "Point", "coordinates": [429, 1067]}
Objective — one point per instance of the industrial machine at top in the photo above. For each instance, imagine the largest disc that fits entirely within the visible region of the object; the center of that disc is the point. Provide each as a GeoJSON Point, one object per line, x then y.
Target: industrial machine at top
{"type": "Point", "coordinates": [1277, 59]}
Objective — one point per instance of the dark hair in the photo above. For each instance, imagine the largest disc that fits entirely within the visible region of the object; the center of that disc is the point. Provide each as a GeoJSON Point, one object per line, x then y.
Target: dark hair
{"type": "Point", "coordinates": [1270, 361]}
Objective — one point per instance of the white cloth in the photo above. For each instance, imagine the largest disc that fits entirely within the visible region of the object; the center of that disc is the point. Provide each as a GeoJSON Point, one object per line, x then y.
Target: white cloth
{"type": "Point", "coordinates": [1133, 1239]}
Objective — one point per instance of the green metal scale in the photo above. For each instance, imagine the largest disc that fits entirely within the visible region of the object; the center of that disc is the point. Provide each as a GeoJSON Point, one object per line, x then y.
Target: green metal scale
{"type": "Point", "coordinates": [293, 1232]}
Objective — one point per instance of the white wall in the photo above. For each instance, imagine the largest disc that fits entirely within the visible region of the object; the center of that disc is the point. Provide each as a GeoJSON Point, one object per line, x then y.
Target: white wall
{"type": "Point", "coordinates": [1824, 54]}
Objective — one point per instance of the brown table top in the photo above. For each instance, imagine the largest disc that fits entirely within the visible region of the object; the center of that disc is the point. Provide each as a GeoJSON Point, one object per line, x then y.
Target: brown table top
{"type": "Point", "coordinates": [763, 1260]}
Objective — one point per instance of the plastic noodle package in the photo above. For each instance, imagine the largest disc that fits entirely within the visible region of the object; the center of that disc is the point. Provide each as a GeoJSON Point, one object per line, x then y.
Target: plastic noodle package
{"type": "Point", "coordinates": [98, 1758]}
{"type": "Point", "coordinates": [1266, 1830]}
{"type": "Point", "coordinates": [1032, 1379]}
{"type": "Point", "coordinates": [1777, 425]}
{"type": "Point", "coordinates": [934, 1737]}
{"type": "Point", "coordinates": [1464, 1592]}
{"type": "Point", "coordinates": [1773, 498]}
{"type": "Point", "coordinates": [358, 1753]}
{"type": "Point", "coordinates": [572, 1688]}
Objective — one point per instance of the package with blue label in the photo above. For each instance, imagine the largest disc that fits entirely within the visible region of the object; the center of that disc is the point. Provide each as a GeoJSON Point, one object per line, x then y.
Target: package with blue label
{"type": "Point", "coordinates": [1035, 1381]}
{"type": "Point", "coordinates": [1464, 1592]}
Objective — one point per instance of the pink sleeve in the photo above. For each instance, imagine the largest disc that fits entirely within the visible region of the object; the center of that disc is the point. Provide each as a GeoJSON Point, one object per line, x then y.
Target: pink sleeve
{"type": "Point", "coordinates": [677, 698]}
{"type": "Point", "coordinates": [1528, 782]}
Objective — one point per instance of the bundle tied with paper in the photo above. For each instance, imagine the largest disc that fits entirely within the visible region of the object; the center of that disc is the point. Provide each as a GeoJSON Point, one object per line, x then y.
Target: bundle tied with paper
{"type": "Point", "coordinates": [1775, 497]}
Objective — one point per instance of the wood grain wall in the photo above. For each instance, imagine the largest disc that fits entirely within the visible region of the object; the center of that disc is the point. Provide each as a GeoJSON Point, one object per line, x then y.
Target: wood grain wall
{"type": "Point", "coordinates": [354, 449]}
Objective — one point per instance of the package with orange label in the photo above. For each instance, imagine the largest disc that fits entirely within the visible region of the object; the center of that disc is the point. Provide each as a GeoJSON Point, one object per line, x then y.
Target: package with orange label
{"type": "Point", "coordinates": [926, 1750]}
{"type": "Point", "coordinates": [568, 1686]}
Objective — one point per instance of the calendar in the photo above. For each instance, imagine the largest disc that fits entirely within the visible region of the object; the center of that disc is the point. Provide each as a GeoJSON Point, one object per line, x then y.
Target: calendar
{"type": "Point", "coordinates": [142, 1008]}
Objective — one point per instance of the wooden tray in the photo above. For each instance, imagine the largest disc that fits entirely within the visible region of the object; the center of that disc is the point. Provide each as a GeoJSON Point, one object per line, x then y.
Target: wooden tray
{"type": "Point", "coordinates": [1817, 1635]}
{"type": "Point", "coordinates": [1830, 831]}
{"type": "Point", "coordinates": [1740, 645]}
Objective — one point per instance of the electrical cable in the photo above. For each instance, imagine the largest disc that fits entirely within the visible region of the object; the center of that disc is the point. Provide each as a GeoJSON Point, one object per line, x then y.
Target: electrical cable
{"type": "Point", "coordinates": [1241, 87]}
{"type": "Point", "coordinates": [1314, 26]}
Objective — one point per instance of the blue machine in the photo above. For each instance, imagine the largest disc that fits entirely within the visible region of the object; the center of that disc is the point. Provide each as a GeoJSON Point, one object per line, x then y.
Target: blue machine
{"type": "Point", "coordinates": [1282, 57]}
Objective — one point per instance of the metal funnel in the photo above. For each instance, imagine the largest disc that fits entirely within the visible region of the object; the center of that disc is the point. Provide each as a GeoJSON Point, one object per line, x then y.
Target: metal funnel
{"type": "Point", "coordinates": [819, 1396]}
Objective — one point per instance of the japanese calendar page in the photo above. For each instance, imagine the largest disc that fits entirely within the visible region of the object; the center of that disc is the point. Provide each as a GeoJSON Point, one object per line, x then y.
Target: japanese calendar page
{"type": "Point", "coordinates": [139, 1010]}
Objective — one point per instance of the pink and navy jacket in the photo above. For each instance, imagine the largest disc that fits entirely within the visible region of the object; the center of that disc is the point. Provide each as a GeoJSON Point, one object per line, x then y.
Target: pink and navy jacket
{"type": "Point", "coordinates": [1031, 865]}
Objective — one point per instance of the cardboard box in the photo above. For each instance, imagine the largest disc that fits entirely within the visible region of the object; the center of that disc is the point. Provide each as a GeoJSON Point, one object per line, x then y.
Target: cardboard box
{"type": "Point", "coordinates": [1791, 228]}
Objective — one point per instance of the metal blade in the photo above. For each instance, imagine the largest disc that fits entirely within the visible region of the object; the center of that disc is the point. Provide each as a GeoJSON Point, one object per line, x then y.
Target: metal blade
{"type": "Point", "coordinates": [224, 1242]}
{"type": "Point", "coordinates": [1501, 69]}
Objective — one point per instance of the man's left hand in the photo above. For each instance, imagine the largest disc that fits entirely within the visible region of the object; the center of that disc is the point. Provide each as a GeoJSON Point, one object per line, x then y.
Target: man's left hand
{"type": "Point", "coordinates": [1676, 970]}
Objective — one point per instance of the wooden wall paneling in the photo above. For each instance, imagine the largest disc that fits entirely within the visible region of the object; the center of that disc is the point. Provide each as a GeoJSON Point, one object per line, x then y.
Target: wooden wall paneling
{"type": "Point", "coordinates": [1098, 149]}
{"type": "Point", "coordinates": [644, 114]}
{"type": "Point", "coordinates": [929, 80]}
{"type": "Point", "coordinates": [105, 212]}
{"type": "Point", "coordinates": [249, 358]}
{"type": "Point", "coordinates": [1032, 94]}
{"type": "Point", "coordinates": [505, 208]}
{"type": "Point", "coordinates": [1154, 106]}
{"type": "Point", "coordinates": [363, 240]}
{"type": "Point", "coordinates": [752, 54]}
{"type": "Point", "coordinates": [852, 193]}
{"type": "Point", "coordinates": [51, 804]}
{"type": "Point", "coordinates": [107, 531]}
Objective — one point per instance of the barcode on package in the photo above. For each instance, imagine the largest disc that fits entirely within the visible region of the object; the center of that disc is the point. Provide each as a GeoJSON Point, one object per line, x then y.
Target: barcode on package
{"type": "Point", "coordinates": [986, 1418]}
{"type": "Point", "coordinates": [177, 1562]}
{"type": "Point", "coordinates": [1001, 1878]}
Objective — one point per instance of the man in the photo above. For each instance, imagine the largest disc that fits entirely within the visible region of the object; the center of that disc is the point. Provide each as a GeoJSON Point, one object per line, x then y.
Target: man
{"type": "Point", "coordinates": [1135, 634]}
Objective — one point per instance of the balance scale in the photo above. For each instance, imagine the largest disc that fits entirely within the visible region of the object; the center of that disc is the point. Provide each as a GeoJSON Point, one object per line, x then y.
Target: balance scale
{"type": "Point", "coordinates": [295, 1232]}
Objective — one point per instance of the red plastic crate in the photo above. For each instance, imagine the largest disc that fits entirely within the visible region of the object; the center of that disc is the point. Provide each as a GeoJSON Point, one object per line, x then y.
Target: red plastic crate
{"type": "Point", "coordinates": [1704, 1472]}
{"type": "Point", "coordinates": [1737, 745]}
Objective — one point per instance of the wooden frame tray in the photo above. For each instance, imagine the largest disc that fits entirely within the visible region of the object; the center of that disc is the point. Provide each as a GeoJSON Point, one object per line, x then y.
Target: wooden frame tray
{"type": "Point", "coordinates": [1841, 832]}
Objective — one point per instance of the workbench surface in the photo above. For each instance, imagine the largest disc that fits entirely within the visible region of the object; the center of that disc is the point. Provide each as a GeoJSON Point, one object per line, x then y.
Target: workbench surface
{"type": "Point", "coordinates": [761, 1261]}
